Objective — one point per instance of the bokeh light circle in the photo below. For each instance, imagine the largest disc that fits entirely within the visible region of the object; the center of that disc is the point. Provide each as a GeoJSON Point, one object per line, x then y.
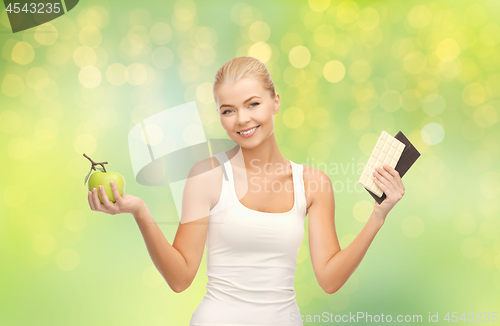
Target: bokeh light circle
{"type": "Point", "coordinates": [259, 31]}
{"type": "Point", "coordinates": [474, 94]}
{"type": "Point", "coordinates": [324, 35]}
{"type": "Point", "coordinates": [490, 34]}
{"type": "Point", "coordinates": [293, 117]}
{"type": "Point", "coordinates": [37, 78]}
{"type": "Point", "coordinates": [299, 56]}
{"type": "Point", "coordinates": [57, 54]}
{"type": "Point", "coordinates": [10, 121]}
{"type": "Point", "coordinates": [360, 71]}
{"type": "Point", "coordinates": [117, 74]}
{"type": "Point", "coordinates": [432, 133]}
{"type": "Point", "coordinates": [475, 15]}
{"type": "Point", "coordinates": [46, 129]}
{"type": "Point", "coordinates": [162, 57]}
{"type": "Point", "coordinates": [90, 36]}
{"type": "Point", "coordinates": [368, 18]}
{"type": "Point", "coordinates": [318, 117]}
{"type": "Point", "coordinates": [161, 33]}
{"type": "Point", "coordinates": [347, 11]}
{"type": "Point", "coordinates": [84, 56]}
{"type": "Point", "coordinates": [448, 49]}
{"type": "Point", "coordinates": [47, 91]}
{"type": "Point", "coordinates": [46, 34]}
{"type": "Point", "coordinates": [19, 148]}
{"type": "Point", "coordinates": [415, 62]}
{"type": "Point", "coordinates": [391, 101]}
{"type": "Point", "coordinates": [12, 85]}
{"type": "Point", "coordinates": [362, 210]}
{"type": "Point", "coordinates": [204, 93]}
{"type": "Point", "coordinates": [488, 229]}
{"type": "Point", "coordinates": [367, 141]}
{"type": "Point", "coordinates": [489, 182]}
{"type": "Point", "coordinates": [90, 76]}
{"type": "Point", "coordinates": [85, 143]}
{"type": "Point", "coordinates": [261, 51]}
{"type": "Point", "coordinates": [137, 74]}
{"type": "Point", "coordinates": [151, 277]}
{"type": "Point", "coordinates": [22, 53]}
{"type": "Point", "coordinates": [205, 37]}
{"type": "Point", "coordinates": [43, 243]}
{"type": "Point", "coordinates": [319, 5]}
{"type": "Point", "coordinates": [334, 71]}
{"type": "Point", "coordinates": [485, 116]}
{"type": "Point", "coordinates": [419, 16]}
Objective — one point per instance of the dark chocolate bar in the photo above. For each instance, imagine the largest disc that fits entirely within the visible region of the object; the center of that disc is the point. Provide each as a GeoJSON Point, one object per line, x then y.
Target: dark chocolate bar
{"type": "Point", "coordinates": [409, 155]}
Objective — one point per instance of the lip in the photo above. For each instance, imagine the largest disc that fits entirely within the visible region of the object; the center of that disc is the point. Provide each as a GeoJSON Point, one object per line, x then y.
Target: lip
{"type": "Point", "coordinates": [247, 129]}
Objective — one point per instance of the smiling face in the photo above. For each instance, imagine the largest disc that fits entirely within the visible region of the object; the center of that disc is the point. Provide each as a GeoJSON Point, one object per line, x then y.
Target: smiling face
{"type": "Point", "coordinates": [246, 104]}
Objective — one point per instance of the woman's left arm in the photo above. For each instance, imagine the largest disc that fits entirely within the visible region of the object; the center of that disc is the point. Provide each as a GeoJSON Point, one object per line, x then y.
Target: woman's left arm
{"type": "Point", "coordinates": [332, 265]}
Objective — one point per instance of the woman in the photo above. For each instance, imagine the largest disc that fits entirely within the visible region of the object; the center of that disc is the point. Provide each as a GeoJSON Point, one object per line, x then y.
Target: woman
{"type": "Point", "coordinates": [252, 219]}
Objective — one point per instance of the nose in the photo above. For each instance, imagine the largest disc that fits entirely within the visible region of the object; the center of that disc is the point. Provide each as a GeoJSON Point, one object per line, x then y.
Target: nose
{"type": "Point", "coordinates": [243, 117]}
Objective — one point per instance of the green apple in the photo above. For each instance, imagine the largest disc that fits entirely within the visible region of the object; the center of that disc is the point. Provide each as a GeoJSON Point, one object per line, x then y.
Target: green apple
{"type": "Point", "coordinates": [104, 179]}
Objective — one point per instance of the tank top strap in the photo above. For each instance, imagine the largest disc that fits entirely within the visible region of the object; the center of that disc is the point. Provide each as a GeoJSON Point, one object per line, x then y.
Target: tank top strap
{"type": "Point", "coordinates": [225, 199]}
{"type": "Point", "coordinates": [298, 187]}
{"type": "Point", "coordinates": [297, 176]}
{"type": "Point", "coordinates": [222, 157]}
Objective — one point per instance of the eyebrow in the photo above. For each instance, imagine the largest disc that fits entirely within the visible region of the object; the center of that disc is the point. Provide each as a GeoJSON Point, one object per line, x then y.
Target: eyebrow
{"type": "Point", "coordinates": [231, 106]}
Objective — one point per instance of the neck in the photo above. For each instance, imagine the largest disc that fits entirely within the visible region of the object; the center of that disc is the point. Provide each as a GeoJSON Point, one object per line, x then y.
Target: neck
{"type": "Point", "coordinates": [264, 157]}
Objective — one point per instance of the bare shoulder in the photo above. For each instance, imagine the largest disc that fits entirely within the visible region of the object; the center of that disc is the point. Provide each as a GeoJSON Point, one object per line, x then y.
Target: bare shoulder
{"type": "Point", "coordinates": [209, 173]}
{"type": "Point", "coordinates": [316, 182]}
{"type": "Point", "coordinates": [209, 165]}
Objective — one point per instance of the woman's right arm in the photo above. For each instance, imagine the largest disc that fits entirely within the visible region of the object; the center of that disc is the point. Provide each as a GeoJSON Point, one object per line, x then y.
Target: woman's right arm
{"type": "Point", "coordinates": [168, 260]}
{"type": "Point", "coordinates": [177, 263]}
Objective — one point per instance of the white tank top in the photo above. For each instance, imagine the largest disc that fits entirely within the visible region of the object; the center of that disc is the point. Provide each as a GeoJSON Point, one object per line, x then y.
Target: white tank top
{"type": "Point", "coordinates": [251, 259]}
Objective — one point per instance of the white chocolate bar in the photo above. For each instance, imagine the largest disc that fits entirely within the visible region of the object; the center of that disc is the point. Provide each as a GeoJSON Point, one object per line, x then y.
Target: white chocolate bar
{"type": "Point", "coordinates": [387, 151]}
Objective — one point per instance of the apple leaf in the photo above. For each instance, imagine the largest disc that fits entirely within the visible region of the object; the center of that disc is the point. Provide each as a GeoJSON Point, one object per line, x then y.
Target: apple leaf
{"type": "Point", "coordinates": [87, 177]}
{"type": "Point", "coordinates": [99, 168]}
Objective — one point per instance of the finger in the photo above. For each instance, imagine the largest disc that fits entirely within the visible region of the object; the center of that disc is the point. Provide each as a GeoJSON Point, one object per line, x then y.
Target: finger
{"type": "Point", "coordinates": [382, 176]}
{"type": "Point", "coordinates": [116, 193]}
{"type": "Point", "coordinates": [382, 170]}
{"type": "Point", "coordinates": [395, 174]}
{"type": "Point", "coordinates": [382, 183]}
{"type": "Point", "coordinates": [97, 202]}
{"type": "Point", "coordinates": [89, 198]}
{"type": "Point", "coordinates": [395, 179]}
{"type": "Point", "coordinates": [105, 200]}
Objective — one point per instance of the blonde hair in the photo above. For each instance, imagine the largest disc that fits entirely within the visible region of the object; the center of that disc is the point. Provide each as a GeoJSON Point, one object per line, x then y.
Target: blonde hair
{"type": "Point", "coordinates": [241, 67]}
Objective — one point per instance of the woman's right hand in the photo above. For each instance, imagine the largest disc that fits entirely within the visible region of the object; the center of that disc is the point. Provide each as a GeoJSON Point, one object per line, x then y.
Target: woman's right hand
{"type": "Point", "coordinates": [126, 204]}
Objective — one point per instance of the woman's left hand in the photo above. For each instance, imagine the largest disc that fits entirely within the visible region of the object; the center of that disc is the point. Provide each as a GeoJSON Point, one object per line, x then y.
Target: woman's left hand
{"type": "Point", "coordinates": [389, 181]}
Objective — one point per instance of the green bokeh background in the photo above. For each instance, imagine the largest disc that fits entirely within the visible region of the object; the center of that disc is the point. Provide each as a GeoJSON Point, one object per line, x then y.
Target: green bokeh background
{"type": "Point", "coordinates": [345, 72]}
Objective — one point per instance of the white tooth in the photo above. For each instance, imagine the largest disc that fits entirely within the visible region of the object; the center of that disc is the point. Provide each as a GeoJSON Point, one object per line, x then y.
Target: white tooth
{"type": "Point", "coordinates": [249, 131]}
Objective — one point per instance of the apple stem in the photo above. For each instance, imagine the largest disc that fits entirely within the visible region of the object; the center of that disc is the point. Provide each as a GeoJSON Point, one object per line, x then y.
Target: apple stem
{"type": "Point", "coordinates": [96, 163]}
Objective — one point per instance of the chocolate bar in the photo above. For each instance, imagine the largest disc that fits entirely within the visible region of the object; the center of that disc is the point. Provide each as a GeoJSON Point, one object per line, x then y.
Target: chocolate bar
{"type": "Point", "coordinates": [406, 159]}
